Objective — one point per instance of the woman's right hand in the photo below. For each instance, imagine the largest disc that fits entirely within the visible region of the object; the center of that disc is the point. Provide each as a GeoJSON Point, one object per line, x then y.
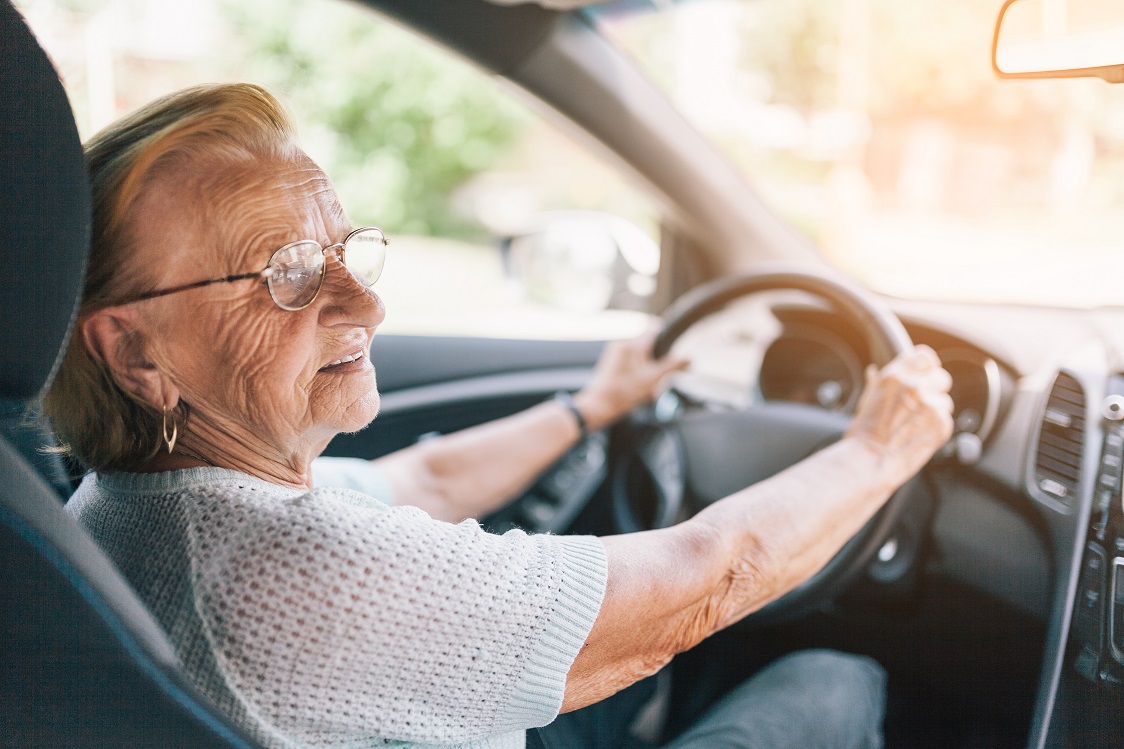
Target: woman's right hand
{"type": "Point", "coordinates": [905, 412]}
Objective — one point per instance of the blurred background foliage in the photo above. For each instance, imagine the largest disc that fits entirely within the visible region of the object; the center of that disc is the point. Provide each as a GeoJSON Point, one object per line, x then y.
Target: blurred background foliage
{"type": "Point", "coordinates": [397, 124]}
{"type": "Point", "coordinates": [876, 126]}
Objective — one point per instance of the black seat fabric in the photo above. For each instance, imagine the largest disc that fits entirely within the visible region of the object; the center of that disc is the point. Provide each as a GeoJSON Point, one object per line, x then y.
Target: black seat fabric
{"type": "Point", "coordinates": [44, 211]}
{"type": "Point", "coordinates": [82, 661]}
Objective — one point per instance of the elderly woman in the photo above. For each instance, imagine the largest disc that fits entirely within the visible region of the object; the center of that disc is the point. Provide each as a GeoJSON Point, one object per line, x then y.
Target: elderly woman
{"type": "Point", "coordinates": [223, 341]}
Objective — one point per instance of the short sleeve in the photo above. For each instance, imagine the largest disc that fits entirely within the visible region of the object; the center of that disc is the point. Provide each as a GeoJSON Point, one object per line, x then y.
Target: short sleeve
{"type": "Point", "coordinates": [352, 473]}
{"type": "Point", "coordinates": [334, 620]}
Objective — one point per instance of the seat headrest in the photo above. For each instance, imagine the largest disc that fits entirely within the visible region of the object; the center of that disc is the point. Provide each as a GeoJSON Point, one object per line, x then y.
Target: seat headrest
{"type": "Point", "coordinates": [44, 212]}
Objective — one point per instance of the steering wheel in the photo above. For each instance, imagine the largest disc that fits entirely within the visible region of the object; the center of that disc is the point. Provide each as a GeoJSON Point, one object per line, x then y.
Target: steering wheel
{"type": "Point", "coordinates": [704, 455]}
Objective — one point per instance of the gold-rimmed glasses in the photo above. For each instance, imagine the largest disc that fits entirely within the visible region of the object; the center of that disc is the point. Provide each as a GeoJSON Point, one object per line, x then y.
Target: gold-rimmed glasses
{"type": "Point", "coordinates": [296, 272]}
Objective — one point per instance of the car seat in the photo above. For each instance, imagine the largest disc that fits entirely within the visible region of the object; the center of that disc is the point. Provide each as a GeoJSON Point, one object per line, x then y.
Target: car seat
{"type": "Point", "coordinates": [82, 661]}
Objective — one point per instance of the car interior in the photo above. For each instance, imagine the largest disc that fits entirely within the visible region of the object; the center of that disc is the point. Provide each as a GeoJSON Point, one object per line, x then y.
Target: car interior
{"type": "Point", "coordinates": [991, 587]}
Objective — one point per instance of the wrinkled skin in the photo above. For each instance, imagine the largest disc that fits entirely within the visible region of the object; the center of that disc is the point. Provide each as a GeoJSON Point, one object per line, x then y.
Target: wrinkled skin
{"type": "Point", "coordinates": [251, 373]}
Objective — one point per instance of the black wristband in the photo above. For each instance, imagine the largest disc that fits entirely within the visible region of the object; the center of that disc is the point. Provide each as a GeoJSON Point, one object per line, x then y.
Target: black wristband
{"type": "Point", "coordinates": [567, 400]}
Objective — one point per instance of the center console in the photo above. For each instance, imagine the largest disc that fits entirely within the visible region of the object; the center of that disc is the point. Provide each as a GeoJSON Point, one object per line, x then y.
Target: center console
{"type": "Point", "coordinates": [1098, 616]}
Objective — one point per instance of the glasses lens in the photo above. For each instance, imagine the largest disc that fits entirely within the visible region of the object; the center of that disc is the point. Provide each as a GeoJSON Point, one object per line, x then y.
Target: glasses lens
{"type": "Point", "coordinates": [365, 254]}
{"type": "Point", "coordinates": [298, 271]}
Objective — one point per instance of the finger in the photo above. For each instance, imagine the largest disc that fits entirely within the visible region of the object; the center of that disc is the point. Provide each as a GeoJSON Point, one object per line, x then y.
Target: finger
{"type": "Point", "coordinates": [922, 357]}
{"type": "Point", "coordinates": [670, 364]}
{"type": "Point", "coordinates": [939, 379]}
{"type": "Point", "coordinates": [914, 359]}
{"type": "Point", "coordinates": [940, 408]}
{"type": "Point", "coordinates": [934, 380]}
{"type": "Point", "coordinates": [646, 340]}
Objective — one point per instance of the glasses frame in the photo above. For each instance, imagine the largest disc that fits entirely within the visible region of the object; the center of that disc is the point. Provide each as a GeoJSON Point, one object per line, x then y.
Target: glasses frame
{"type": "Point", "coordinates": [265, 274]}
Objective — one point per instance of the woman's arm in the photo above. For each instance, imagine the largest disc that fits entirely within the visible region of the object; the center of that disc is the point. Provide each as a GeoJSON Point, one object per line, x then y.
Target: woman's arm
{"type": "Point", "coordinates": [671, 588]}
{"type": "Point", "coordinates": [477, 470]}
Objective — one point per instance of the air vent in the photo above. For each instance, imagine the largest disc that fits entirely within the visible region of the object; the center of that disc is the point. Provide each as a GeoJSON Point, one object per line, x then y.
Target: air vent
{"type": "Point", "coordinates": [1057, 466]}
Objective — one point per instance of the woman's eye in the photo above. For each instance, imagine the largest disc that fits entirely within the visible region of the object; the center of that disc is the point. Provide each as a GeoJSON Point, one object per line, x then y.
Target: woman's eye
{"type": "Point", "coordinates": [294, 276]}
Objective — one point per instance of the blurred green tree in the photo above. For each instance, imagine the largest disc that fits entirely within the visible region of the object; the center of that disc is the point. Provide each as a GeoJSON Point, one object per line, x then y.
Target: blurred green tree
{"type": "Point", "coordinates": [398, 124]}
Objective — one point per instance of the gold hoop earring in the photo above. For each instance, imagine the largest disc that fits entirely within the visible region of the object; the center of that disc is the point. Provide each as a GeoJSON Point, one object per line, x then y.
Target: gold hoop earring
{"type": "Point", "coordinates": [170, 441]}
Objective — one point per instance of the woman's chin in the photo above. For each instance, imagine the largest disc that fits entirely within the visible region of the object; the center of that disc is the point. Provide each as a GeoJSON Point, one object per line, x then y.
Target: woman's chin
{"type": "Point", "coordinates": [346, 405]}
{"type": "Point", "coordinates": [360, 414]}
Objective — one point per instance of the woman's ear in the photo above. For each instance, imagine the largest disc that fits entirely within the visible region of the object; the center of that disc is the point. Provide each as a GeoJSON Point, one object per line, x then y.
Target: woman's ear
{"type": "Point", "coordinates": [112, 337]}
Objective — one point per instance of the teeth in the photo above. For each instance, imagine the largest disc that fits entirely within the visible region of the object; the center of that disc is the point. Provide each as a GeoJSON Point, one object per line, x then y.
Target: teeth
{"type": "Point", "coordinates": [347, 359]}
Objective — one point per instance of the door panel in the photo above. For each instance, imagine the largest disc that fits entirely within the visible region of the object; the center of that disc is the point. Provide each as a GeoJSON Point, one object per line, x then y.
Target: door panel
{"type": "Point", "coordinates": [437, 384]}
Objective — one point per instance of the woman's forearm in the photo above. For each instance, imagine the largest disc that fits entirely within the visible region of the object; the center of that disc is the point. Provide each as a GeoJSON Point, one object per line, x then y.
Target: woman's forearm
{"type": "Point", "coordinates": [670, 589]}
{"type": "Point", "coordinates": [477, 470]}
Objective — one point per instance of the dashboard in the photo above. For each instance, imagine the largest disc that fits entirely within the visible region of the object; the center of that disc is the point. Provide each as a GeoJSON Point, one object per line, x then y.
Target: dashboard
{"type": "Point", "coordinates": [815, 360]}
{"type": "Point", "coordinates": [1029, 493]}
{"type": "Point", "coordinates": [1012, 521]}
{"type": "Point", "coordinates": [796, 350]}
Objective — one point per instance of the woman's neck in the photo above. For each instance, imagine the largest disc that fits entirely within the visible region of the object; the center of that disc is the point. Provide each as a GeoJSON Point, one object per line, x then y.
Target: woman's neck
{"type": "Point", "coordinates": [194, 451]}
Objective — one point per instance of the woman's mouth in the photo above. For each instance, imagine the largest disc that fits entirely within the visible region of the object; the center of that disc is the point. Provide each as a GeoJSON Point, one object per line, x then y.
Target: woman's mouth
{"type": "Point", "coordinates": [350, 363]}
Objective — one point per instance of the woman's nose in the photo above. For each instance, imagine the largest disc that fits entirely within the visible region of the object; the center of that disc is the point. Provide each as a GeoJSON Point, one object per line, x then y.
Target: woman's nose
{"type": "Point", "coordinates": [346, 300]}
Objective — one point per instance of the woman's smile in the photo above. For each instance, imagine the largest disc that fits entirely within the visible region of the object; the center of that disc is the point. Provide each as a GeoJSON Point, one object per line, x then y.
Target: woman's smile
{"type": "Point", "coordinates": [356, 361]}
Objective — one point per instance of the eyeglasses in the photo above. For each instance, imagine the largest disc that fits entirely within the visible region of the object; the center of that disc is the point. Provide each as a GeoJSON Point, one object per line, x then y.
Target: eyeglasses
{"type": "Point", "coordinates": [296, 271]}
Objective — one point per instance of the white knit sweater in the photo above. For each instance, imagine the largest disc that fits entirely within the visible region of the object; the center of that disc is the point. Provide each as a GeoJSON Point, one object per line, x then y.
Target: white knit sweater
{"type": "Point", "coordinates": [330, 619]}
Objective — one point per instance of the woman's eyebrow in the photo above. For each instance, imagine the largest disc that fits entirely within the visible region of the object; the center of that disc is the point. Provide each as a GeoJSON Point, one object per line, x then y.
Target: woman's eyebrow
{"type": "Point", "coordinates": [256, 250]}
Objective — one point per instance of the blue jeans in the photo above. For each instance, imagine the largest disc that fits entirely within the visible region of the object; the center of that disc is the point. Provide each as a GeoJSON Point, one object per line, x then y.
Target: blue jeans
{"type": "Point", "coordinates": [813, 699]}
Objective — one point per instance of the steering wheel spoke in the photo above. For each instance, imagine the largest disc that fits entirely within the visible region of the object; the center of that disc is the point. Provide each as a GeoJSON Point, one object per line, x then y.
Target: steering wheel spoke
{"type": "Point", "coordinates": [728, 451]}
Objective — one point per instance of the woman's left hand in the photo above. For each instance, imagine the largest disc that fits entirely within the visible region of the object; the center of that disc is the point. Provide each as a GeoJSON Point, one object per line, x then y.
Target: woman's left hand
{"type": "Point", "coordinates": [626, 377]}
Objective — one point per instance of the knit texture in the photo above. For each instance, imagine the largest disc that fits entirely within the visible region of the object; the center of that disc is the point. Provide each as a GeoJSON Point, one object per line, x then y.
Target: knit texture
{"type": "Point", "coordinates": [327, 618]}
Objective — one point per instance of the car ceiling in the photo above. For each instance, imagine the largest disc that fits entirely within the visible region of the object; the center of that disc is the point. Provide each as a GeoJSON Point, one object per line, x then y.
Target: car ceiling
{"type": "Point", "coordinates": [562, 5]}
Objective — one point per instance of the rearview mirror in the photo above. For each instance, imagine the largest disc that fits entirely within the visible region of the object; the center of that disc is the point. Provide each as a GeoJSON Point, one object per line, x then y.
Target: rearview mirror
{"type": "Point", "coordinates": [1060, 39]}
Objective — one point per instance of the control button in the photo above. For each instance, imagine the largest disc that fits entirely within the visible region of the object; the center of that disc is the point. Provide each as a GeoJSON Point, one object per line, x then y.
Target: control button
{"type": "Point", "coordinates": [1112, 407]}
{"type": "Point", "coordinates": [888, 551]}
{"type": "Point", "coordinates": [1116, 623]}
{"type": "Point", "coordinates": [1100, 515]}
{"type": "Point", "coordinates": [1117, 634]}
{"type": "Point", "coordinates": [1110, 678]}
{"type": "Point", "coordinates": [538, 511]}
{"type": "Point", "coordinates": [1118, 588]}
{"type": "Point", "coordinates": [1115, 440]}
{"type": "Point", "coordinates": [1052, 487]}
{"type": "Point", "coordinates": [1088, 615]}
{"type": "Point", "coordinates": [562, 480]}
{"type": "Point", "coordinates": [1086, 663]}
{"type": "Point", "coordinates": [968, 448]}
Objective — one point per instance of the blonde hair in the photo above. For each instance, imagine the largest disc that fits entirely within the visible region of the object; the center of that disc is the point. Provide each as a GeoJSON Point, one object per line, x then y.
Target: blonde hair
{"type": "Point", "coordinates": [96, 420]}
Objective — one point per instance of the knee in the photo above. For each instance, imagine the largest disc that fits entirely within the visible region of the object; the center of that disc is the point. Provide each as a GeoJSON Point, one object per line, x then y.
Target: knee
{"type": "Point", "coordinates": [847, 692]}
{"type": "Point", "coordinates": [833, 670]}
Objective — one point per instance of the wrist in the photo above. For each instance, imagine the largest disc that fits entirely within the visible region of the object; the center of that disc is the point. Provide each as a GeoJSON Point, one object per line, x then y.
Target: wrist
{"type": "Point", "coordinates": [564, 399]}
{"type": "Point", "coordinates": [883, 468]}
{"type": "Point", "coordinates": [597, 413]}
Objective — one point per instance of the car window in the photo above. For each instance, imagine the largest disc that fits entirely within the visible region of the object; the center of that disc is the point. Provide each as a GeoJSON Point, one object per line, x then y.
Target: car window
{"type": "Point", "coordinates": [500, 224]}
{"type": "Point", "coordinates": [878, 128]}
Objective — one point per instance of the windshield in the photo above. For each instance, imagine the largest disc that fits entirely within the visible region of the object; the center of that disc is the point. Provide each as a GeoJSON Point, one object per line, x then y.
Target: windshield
{"type": "Point", "coordinates": [878, 128]}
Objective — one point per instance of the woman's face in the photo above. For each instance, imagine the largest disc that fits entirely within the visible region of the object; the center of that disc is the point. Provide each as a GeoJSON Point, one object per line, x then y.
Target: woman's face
{"type": "Point", "coordinates": [252, 373]}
